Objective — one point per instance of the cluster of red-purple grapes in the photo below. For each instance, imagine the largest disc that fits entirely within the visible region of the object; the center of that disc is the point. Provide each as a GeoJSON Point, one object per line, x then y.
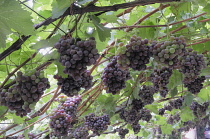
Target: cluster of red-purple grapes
{"type": "Point", "coordinates": [97, 124]}
{"type": "Point", "coordinates": [198, 109]}
{"type": "Point", "coordinates": [195, 86]}
{"type": "Point", "coordinates": [132, 117]}
{"type": "Point", "coordinates": [23, 96]}
{"type": "Point", "coordinates": [81, 133]}
{"type": "Point", "coordinates": [173, 119]}
{"type": "Point", "coordinates": [174, 104]}
{"type": "Point", "coordinates": [114, 78]}
{"type": "Point", "coordinates": [137, 104]}
{"type": "Point", "coordinates": [122, 132]}
{"type": "Point", "coordinates": [191, 65]}
{"type": "Point", "coordinates": [71, 87]}
{"type": "Point", "coordinates": [160, 79]}
{"type": "Point", "coordinates": [168, 52]}
{"type": "Point", "coordinates": [62, 117]}
{"type": "Point", "coordinates": [146, 94]}
{"type": "Point", "coordinates": [30, 136]}
{"type": "Point", "coordinates": [76, 55]}
{"type": "Point", "coordinates": [60, 122]}
{"type": "Point", "coordinates": [137, 54]}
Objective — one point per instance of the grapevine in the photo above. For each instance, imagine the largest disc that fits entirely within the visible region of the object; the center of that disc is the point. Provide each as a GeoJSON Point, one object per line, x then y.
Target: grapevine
{"type": "Point", "coordinates": [23, 96]}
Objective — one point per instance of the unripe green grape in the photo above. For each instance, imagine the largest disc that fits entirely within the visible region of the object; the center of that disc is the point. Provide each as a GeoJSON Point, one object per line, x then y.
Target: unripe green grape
{"type": "Point", "coordinates": [166, 56]}
{"type": "Point", "coordinates": [171, 63]}
{"type": "Point", "coordinates": [162, 60]}
{"type": "Point", "coordinates": [32, 106]}
{"type": "Point", "coordinates": [172, 50]}
{"type": "Point", "coordinates": [166, 51]}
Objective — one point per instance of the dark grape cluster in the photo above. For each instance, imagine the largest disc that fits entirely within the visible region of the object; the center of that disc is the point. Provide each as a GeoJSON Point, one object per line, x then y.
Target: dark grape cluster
{"type": "Point", "coordinates": [199, 110]}
{"type": "Point", "coordinates": [195, 86]}
{"type": "Point", "coordinates": [70, 105]}
{"type": "Point", "coordinates": [136, 128]}
{"type": "Point", "coordinates": [191, 65]}
{"type": "Point", "coordinates": [174, 104]}
{"type": "Point", "coordinates": [97, 123]}
{"type": "Point", "coordinates": [23, 95]}
{"type": "Point", "coordinates": [168, 52]}
{"type": "Point", "coordinates": [114, 78]}
{"type": "Point", "coordinates": [130, 116]}
{"type": "Point", "coordinates": [146, 94]}
{"type": "Point", "coordinates": [76, 55]}
{"type": "Point", "coordinates": [71, 87]}
{"type": "Point", "coordinates": [137, 54]}
{"type": "Point", "coordinates": [81, 133]}
{"type": "Point", "coordinates": [122, 132]}
{"type": "Point", "coordinates": [145, 115]}
{"type": "Point", "coordinates": [160, 79]}
{"type": "Point", "coordinates": [187, 125]}
{"type": "Point", "coordinates": [62, 117]}
{"type": "Point", "coordinates": [60, 122]}
{"type": "Point", "coordinates": [173, 119]}
{"type": "Point", "coordinates": [137, 104]}
{"type": "Point", "coordinates": [177, 103]}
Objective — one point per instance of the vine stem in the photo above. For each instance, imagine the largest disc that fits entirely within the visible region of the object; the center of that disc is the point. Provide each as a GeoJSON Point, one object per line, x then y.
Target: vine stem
{"type": "Point", "coordinates": [90, 90]}
{"type": "Point", "coordinates": [13, 72]}
{"type": "Point", "coordinates": [161, 7]}
{"type": "Point", "coordinates": [48, 105]}
{"type": "Point", "coordinates": [100, 58]}
{"type": "Point", "coordinates": [92, 100]}
{"type": "Point", "coordinates": [202, 41]}
{"type": "Point", "coordinates": [137, 26]}
{"type": "Point", "coordinates": [121, 14]}
{"type": "Point", "coordinates": [178, 22]}
{"type": "Point", "coordinates": [85, 102]}
{"type": "Point", "coordinates": [28, 125]}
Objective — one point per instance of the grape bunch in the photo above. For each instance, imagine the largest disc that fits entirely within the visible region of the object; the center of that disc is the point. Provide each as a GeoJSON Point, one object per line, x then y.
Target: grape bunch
{"type": "Point", "coordinates": [137, 54]}
{"type": "Point", "coordinates": [195, 86]}
{"type": "Point", "coordinates": [177, 103]}
{"type": "Point", "coordinates": [173, 119]}
{"type": "Point", "coordinates": [76, 55]}
{"type": "Point", "coordinates": [160, 79]}
{"type": "Point", "coordinates": [130, 116]}
{"type": "Point", "coordinates": [174, 104]}
{"type": "Point", "coordinates": [70, 105]}
{"type": "Point", "coordinates": [146, 94]}
{"type": "Point", "coordinates": [114, 78]}
{"type": "Point", "coordinates": [137, 104]}
{"type": "Point", "coordinates": [187, 125]}
{"type": "Point", "coordinates": [199, 110]}
{"type": "Point", "coordinates": [71, 87]}
{"type": "Point", "coordinates": [62, 117]}
{"type": "Point", "coordinates": [122, 132]}
{"type": "Point", "coordinates": [97, 124]}
{"type": "Point", "coordinates": [27, 91]}
{"type": "Point", "coordinates": [80, 133]}
{"type": "Point", "coordinates": [136, 128]}
{"type": "Point", "coordinates": [191, 65]}
{"type": "Point", "coordinates": [145, 115]}
{"type": "Point", "coordinates": [168, 52]}
{"type": "Point", "coordinates": [60, 122]}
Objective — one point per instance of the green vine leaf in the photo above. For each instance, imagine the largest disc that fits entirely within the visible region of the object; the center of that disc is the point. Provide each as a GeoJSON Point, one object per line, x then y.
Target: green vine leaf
{"type": "Point", "coordinates": [60, 6]}
{"type": "Point", "coordinates": [13, 17]}
{"type": "Point", "coordinates": [103, 32]}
